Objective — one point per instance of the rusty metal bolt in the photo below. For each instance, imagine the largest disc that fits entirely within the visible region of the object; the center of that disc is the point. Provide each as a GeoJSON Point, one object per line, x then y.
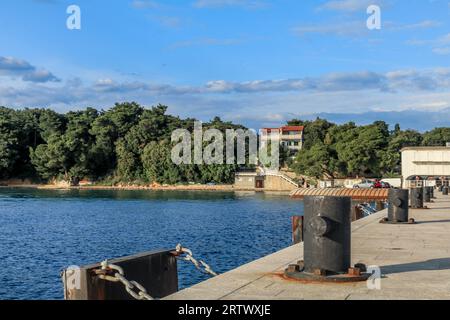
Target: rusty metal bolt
{"type": "Point", "coordinates": [320, 272]}
{"type": "Point", "coordinates": [411, 221]}
{"type": "Point", "coordinates": [354, 272]}
{"type": "Point", "coordinates": [293, 268]}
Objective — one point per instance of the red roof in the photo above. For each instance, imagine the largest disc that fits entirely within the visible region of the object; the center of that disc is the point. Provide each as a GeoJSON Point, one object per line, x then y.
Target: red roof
{"type": "Point", "coordinates": [293, 128]}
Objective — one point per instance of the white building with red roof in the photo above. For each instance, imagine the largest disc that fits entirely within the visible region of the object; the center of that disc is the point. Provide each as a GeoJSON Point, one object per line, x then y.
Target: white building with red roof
{"type": "Point", "coordinates": [290, 137]}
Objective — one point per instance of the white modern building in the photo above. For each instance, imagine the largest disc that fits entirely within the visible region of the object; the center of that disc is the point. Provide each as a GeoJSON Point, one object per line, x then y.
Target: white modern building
{"type": "Point", "coordinates": [430, 164]}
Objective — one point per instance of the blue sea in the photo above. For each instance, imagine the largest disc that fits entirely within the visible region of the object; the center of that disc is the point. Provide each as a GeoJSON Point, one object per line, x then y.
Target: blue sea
{"type": "Point", "coordinates": [44, 231]}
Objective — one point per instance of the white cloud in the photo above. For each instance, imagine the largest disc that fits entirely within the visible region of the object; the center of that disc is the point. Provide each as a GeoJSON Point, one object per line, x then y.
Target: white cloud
{"type": "Point", "coordinates": [442, 51]}
{"type": "Point", "coordinates": [359, 27]}
{"type": "Point", "coordinates": [248, 4]}
{"type": "Point", "coordinates": [351, 28]}
{"type": "Point", "coordinates": [439, 46]}
{"type": "Point", "coordinates": [145, 4]}
{"type": "Point", "coordinates": [347, 5]}
{"type": "Point", "coordinates": [18, 68]}
{"type": "Point", "coordinates": [256, 102]}
{"type": "Point", "coordinates": [425, 24]}
{"type": "Point", "coordinates": [433, 80]}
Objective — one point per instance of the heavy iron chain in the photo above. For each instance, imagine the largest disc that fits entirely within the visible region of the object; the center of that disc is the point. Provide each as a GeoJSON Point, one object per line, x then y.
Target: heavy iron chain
{"type": "Point", "coordinates": [188, 256]}
{"type": "Point", "coordinates": [135, 289]}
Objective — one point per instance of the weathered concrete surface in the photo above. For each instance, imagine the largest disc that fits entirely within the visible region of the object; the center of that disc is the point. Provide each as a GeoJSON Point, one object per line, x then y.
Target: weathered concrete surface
{"type": "Point", "coordinates": [414, 259]}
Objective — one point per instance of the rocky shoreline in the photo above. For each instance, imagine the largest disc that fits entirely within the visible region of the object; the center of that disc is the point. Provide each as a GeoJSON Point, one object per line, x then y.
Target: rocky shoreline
{"type": "Point", "coordinates": [199, 188]}
{"type": "Point", "coordinates": [130, 187]}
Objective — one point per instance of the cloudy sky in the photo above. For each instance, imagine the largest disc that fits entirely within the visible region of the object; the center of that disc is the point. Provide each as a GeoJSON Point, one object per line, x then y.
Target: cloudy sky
{"type": "Point", "coordinates": [257, 62]}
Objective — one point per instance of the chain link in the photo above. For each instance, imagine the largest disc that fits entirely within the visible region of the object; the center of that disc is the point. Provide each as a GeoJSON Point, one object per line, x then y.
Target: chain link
{"type": "Point", "coordinates": [199, 264]}
{"type": "Point", "coordinates": [133, 288]}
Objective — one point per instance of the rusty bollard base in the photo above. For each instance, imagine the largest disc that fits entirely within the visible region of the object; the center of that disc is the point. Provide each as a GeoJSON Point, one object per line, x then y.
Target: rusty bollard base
{"type": "Point", "coordinates": [354, 274]}
{"type": "Point", "coordinates": [386, 221]}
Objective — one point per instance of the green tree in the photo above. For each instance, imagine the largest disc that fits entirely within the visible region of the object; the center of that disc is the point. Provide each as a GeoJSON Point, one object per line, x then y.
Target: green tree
{"type": "Point", "coordinates": [68, 154]}
{"type": "Point", "coordinates": [437, 137]}
{"type": "Point", "coordinates": [319, 162]}
{"type": "Point", "coordinates": [391, 156]}
{"type": "Point", "coordinates": [315, 132]}
{"type": "Point", "coordinates": [103, 148]}
{"type": "Point", "coordinates": [360, 149]}
{"type": "Point", "coordinates": [51, 159]}
{"type": "Point", "coordinates": [158, 165]}
{"type": "Point", "coordinates": [8, 142]}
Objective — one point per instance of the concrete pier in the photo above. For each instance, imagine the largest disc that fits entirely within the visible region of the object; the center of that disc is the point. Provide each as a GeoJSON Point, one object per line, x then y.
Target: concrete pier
{"type": "Point", "coordinates": [414, 261]}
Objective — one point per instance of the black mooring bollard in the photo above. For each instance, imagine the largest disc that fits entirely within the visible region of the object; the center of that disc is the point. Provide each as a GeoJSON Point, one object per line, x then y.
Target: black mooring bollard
{"type": "Point", "coordinates": [445, 191]}
{"type": "Point", "coordinates": [327, 242]}
{"type": "Point", "coordinates": [426, 194]}
{"type": "Point", "coordinates": [398, 210]}
{"type": "Point", "coordinates": [416, 196]}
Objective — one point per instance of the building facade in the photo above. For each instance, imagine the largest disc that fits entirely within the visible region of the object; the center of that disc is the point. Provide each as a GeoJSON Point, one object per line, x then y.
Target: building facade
{"type": "Point", "coordinates": [290, 137]}
{"type": "Point", "coordinates": [264, 182]}
{"type": "Point", "coordinates": [425, 164]}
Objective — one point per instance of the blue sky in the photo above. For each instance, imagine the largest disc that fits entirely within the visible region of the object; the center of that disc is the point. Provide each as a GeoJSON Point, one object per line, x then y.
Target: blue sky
{"type": "Point", "coordinates": [258, 62]}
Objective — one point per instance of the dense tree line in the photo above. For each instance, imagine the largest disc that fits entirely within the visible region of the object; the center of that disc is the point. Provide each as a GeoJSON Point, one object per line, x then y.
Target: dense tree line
{"type": "Point", "coordinates": [348, 150]}
{"type": "Point", "coordinates": [127, 143]}
{"type": "Point", "coordinates": [132, 144]}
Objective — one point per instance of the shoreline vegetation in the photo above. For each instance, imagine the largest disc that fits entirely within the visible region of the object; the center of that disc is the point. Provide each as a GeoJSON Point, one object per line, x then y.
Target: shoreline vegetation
{"type": "Point", "coordinates": [127, 187]}
{"type": "Point", "coordinates": [183, 188]}
{"type": "Point", "coordinates": [130, 187]}
{"type": "Point", "coordinates": [129, 146]}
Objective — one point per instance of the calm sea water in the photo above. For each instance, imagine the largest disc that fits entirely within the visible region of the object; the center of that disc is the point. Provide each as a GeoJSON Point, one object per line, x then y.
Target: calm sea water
{"type": "Point", "coordinates": [43, 231]}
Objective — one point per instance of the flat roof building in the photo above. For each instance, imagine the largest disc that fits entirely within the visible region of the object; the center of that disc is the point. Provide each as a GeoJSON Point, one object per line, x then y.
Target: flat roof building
{"type": "Point", "coordinates": [425, 164]}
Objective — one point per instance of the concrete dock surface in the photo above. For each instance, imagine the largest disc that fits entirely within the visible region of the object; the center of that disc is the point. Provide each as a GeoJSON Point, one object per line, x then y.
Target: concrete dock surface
{"type": "Point", "coordinates": [414, 262]}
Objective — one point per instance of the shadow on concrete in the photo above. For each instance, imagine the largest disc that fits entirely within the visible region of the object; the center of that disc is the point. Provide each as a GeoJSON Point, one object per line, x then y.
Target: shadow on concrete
{"type": "Point", "coordinates": [434, 264]}
{"type": "Point", "coordinates": [434, 221]}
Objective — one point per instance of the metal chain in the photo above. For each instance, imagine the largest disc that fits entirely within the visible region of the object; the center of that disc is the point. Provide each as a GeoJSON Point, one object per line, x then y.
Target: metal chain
{"type": "Point", "coordinates": [133, 288]}
{"type": "Point", "coordinates": [199, 264]}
